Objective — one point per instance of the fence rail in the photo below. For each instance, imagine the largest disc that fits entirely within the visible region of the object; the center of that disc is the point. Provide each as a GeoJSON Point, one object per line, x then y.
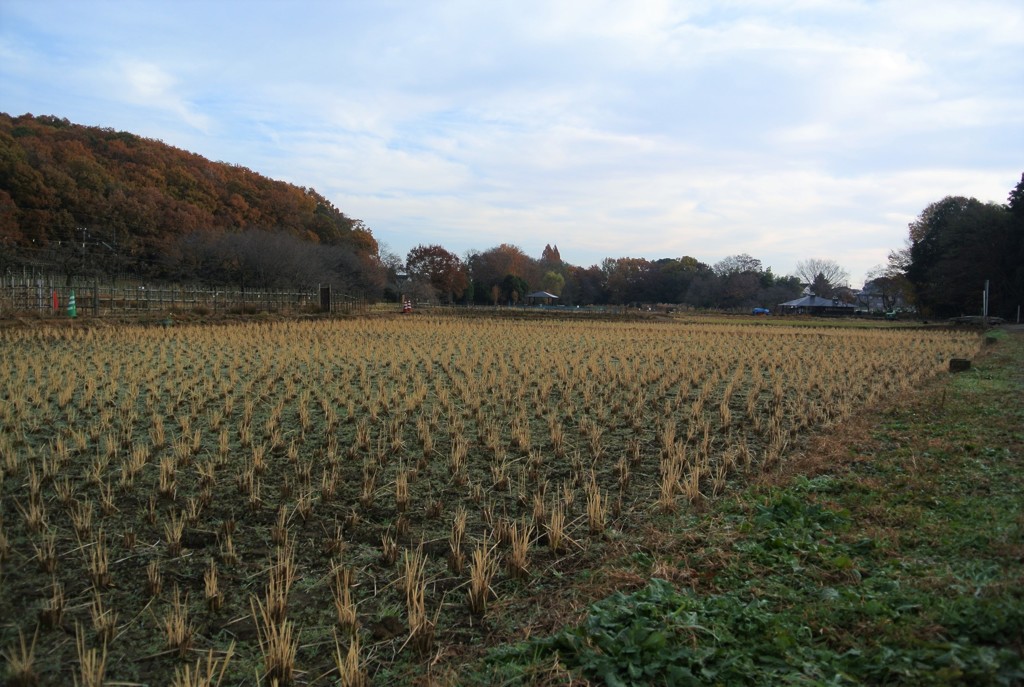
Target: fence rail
{"type": "Point", "coordinates": [45, 295]}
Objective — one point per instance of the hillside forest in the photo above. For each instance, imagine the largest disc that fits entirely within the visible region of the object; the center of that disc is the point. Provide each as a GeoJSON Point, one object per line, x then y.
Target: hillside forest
{"type": "Point", "coordinates": [85, 200]}
{"type": "Point", "coordinates": [82, 201]}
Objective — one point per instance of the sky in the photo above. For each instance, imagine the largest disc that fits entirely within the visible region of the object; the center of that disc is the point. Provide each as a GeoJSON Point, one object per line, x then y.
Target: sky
{"type": "Point", "coordinates": [785, 130]}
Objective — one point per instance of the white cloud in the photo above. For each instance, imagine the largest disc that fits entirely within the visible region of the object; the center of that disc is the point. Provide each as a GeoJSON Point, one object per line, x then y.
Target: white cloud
{"type": "Point", "coordinates": [656, 129]}
{"type": "Point", "coordinates": [150, 86]}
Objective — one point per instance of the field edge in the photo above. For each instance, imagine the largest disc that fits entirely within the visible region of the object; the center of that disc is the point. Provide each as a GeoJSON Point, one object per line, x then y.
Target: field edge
{"type": "Point", "coordinates": [887, 553]}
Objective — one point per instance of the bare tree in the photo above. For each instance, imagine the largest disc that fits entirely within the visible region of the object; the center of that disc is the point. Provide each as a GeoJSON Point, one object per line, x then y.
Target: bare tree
{"type": "Point", "coordinates": [737, 264]}
{"type": "Point", "coordinates": [421, 290]}
{"type": "Point", "coordinates": [888, 285]}
{"type": "Point", "coordinates": [820, 271]}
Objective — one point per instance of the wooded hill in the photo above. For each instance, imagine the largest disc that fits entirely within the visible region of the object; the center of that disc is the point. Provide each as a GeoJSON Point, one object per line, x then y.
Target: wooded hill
{"type": "Point", "coordinates": [124, 203]}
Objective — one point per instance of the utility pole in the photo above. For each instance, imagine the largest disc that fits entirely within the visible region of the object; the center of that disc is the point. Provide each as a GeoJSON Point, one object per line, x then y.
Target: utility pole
{"type": "Point", "coordinates": [984, 300]}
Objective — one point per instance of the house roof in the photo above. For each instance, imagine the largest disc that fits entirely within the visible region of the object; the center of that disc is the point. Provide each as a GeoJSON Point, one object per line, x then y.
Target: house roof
{"type": "Point", "coordinates": [541, 294]}
{"type": "Point", "coordinates": [813, 301]}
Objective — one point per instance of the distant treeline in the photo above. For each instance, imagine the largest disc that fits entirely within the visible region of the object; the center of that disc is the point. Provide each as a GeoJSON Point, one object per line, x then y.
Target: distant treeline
{"type": "Point", "coordinates": [93, 202]}
{"type": "Point", "coordinates": [505, 274]}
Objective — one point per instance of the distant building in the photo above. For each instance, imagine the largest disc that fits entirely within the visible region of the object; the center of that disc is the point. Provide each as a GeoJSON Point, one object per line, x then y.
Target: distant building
{"type": "Point", "coordinates": [879, 295]}
{"type": "Point", "coordinates": [816, 305]}
{"type": "Point", "coordinates": [541, 297]}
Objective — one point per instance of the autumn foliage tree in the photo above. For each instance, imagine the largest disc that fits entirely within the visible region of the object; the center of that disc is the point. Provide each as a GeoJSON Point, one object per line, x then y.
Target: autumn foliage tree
{"type": "Point", "coordinates": [550, 256]}
{"type": "Point", "coordinates": [443, 270]}
{"type": "Point", "coordinates": [493, 266]}
{"type": "Point", "coordinates": [627, 279]}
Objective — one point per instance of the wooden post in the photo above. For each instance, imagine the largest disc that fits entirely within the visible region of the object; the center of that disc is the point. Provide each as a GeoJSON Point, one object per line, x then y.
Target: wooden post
{"type": "Point", "coordinates": [325, 298]}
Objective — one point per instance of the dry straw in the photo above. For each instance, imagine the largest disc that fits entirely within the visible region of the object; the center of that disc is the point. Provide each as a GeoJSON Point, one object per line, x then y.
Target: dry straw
{"type": "Point", "coordinates": [154, 579]}
{"type": "Point", "coordinates": [174, 527]}
{"type": "Point", "coordinates": [456, 557]}
{"type": "Point", "coordinates": [388, 549]}
{"type": "Point", "coordinates": [351, 665]}
{"type": "Point", "coordinates": [517, 559]}
{"type": "Point", "coordinates": [46, 552]}
{"type": "Point", "coordinates": [208, 673]}
{"type": "Point", "coordinates": [177, 626]}
{"type": "Point", "coordinates": [482, 568]}
{"type": "Point", "coordinates": [341, 590]}
{"type": "Point", "coordinates": [211, 587]}
{"type": "Point", "coordinates": [144, 417]}
{"type": "Point", "coordinates": [421, 626]}
{"type": "Point", "coordinates": [104, 620]}
{"type": "Point", "coordinates": [92, 662]}
{"type": "Point", "coordinates": [555, 527]}
{"type": "Point", "coordinates": [52, 612]}
{"type": "Point", "coordinates": [99, 564]}
{"type": "Point", "coordinates": [597, 507]}
{"type": "Point", "coordinates": [21, 662]}
{"type": "Point", "coordinates": [278, 643]}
